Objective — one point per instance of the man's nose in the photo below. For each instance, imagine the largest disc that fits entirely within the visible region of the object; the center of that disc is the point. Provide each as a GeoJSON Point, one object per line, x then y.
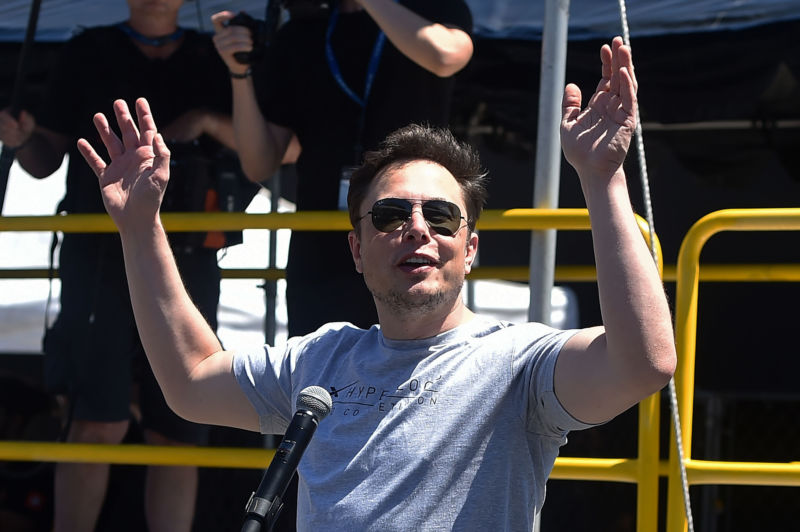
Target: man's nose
{"type": "Point", "coordinates": [416, 225]}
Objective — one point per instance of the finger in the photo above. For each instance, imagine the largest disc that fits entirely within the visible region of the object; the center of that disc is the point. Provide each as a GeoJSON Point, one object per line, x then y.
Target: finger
{"type": "Point", "coordinates": [113, 145]}
{"type": "Point", "coordinates": [128, 129]}
{"type": "Point", "coordinates": [162, 153]}
{"type": "Point", "coordinates": [95, 162]}
{"type": "Point", "coordinates": [146, 122]}
{"type": "Point", "coordinates": [605, 59]}
{"type": "Point", "coordinates": [219, 19]}
{"type": "Point", "coordinates": [615, 64]}
{"type": "Point", "coordinates": [628, 92]}
{"type": "Point", "coordinates": [570, 103]}
{"type": "Point", "coordinates": [237, 39]}
{"type": "Point", "coordinates": [626, 61]}
{"type": "Point", "coordinates": [603, 86]}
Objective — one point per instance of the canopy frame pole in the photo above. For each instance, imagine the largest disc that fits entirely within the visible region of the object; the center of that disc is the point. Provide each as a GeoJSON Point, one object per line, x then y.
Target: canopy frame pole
{"type": "Point", "coordinates": [548, 156]}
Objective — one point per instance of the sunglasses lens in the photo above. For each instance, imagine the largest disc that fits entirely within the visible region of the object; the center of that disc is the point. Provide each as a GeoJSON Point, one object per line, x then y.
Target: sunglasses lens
{"type": "Point", "coordinates": [443, 217]}
{"type": "Point", "coordinates": [390, 213]}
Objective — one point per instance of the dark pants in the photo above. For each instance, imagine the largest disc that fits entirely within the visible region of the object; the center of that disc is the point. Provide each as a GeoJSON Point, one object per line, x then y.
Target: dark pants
{"type": "Point", "coordinates": [93, 352]}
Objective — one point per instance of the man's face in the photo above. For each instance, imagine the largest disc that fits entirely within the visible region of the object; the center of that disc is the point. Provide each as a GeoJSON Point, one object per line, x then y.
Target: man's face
{"type": "Point", "coordinates": [413, 268]}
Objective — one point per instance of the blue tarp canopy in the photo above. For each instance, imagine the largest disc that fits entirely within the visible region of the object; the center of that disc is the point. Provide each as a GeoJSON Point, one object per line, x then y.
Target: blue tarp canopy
{"type": "Point", "coordinates": [503, 19]}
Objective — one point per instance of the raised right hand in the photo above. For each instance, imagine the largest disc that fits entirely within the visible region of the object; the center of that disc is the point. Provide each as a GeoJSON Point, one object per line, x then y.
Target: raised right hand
{"type": "Point", "coordinates": [133, 183]}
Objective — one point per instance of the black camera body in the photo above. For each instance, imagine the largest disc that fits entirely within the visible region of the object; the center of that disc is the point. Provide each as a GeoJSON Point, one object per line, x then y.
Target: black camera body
{"type": "Point", "coordinates": [263, 31]}
{"type": "Point", "coordinates": [258, 33]}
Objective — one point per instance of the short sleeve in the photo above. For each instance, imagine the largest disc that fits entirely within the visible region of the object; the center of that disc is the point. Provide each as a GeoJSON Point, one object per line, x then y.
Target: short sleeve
{"type": "Point", "coordinates": [265, 377]}
{"type": "Point", "coordinates": [546, 415]}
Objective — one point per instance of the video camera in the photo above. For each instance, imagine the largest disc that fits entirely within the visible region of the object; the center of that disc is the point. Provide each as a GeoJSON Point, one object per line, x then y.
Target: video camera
{"type": "Point", "coordinates": [258, 31]}
{"type": "Point", "coordinates": [263, 31]}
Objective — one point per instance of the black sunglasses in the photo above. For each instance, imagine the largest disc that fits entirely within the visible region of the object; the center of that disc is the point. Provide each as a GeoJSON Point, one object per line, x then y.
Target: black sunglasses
{"type": "Point", "coordinates": [390, 213]}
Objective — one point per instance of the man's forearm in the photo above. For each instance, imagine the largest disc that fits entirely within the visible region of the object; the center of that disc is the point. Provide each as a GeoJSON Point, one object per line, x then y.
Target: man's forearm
{"type": "Point", "coordinates": [635, 313]}
{"type": "Point", "coordinates": [175, 336]}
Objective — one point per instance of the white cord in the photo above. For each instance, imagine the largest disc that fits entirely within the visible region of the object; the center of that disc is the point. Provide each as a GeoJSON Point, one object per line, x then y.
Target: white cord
{"type": "Point", "coordinates": [673, 396]}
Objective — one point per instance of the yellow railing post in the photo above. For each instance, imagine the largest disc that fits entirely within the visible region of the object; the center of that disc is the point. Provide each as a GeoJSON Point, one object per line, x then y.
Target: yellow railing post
{"type": "Point", "coordinates": [688, 274]}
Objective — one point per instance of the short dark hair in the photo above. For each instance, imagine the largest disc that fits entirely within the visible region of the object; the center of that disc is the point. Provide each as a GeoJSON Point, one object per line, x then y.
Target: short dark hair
{"type": "Point", "coordinates": [416, 142]}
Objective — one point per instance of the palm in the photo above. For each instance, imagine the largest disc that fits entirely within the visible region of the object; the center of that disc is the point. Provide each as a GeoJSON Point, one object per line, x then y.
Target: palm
{"type": "Point", "coordinates": [132, 184]}
{"type": "Point", "coordinates": [596, 139]}
{"type": "Point", "coordinates": [129, 177]}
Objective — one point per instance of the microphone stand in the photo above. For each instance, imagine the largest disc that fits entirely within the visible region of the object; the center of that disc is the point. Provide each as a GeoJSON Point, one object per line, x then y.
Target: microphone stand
{"type": "Point", "coordinates": [259, 512]}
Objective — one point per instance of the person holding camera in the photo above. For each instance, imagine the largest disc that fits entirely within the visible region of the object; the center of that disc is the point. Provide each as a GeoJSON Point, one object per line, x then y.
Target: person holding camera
{"type": "Point", "coordinates": [338, 80]}
{"type": "Point", "coordinates": [93, 353]}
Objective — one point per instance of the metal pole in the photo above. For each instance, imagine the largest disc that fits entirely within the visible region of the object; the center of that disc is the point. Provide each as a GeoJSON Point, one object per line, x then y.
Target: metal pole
{"type": "Point", "coordinates": [272, 19]}
{"type": "Point", "coordinates": [548, 155]}
{"type": "Point", "coordinates": [7, 155]}
{"type": "Point", "coordinates": [271, 286]}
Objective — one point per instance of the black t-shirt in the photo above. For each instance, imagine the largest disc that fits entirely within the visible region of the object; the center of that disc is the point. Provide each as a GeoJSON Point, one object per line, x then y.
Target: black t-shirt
{"type": "Point", "coordinates": [297, 90]}
{"type": "Point", "coordinates": [101, 65]}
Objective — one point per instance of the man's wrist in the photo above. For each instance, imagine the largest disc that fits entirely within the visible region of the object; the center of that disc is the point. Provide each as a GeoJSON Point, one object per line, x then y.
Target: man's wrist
{"type": "Point", "coordinates": [242, 75]}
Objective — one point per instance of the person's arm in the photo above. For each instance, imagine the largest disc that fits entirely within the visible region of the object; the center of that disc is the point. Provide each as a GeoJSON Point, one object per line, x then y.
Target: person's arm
{"type": "Point", "coordinates": [192, 124]}
{"type": "Point", "coordinates": [603, 371]}
{"type": "Point", "coordinates": [39, 150]}
{"type": "Point", "coordinates": [260, 144]}
{"type": "Point", "coordinates": [437, 48]}
{"type": "Point", "coordinates": [194, 373]}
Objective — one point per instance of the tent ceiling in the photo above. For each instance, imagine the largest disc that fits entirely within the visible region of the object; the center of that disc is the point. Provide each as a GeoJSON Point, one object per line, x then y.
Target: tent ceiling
{"type": "Point", "coordinates": [521, 19]}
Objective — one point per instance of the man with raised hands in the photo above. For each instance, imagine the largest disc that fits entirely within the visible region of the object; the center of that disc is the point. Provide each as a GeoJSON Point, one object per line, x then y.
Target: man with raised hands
{"type": "Point", "coordinates": [441, 419]}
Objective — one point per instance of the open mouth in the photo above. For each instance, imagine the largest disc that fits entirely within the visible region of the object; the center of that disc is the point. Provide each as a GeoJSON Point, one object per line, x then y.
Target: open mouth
{"type": "Point", "coordinates": [416, 262]}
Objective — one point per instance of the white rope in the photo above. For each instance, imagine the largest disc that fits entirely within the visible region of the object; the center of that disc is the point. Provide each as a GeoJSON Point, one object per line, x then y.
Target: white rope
{"type": "Point", "coordinates": [673, 396]}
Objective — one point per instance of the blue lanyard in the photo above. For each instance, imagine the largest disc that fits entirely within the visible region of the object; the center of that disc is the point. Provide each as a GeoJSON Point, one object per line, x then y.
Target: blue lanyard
{"type": "Point", "coordinates": [151, 41]}
{"type": "Point", "coordinates": [372, 67]}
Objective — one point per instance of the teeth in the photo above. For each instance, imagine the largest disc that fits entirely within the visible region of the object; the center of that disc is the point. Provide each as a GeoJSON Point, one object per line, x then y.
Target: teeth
{"type": "Point", "coordinates": [418, 260]}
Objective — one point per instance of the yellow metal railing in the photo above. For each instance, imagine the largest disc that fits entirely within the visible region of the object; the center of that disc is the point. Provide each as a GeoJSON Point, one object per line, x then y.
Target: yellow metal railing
{"type": "Point", "coordinates": [688, 276]}
{"type": "Point", "coordinates": [643, 471]}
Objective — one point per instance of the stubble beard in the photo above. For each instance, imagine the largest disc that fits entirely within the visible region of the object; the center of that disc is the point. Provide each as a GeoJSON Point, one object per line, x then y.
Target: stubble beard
{"type": "Point", "coordinates": [404, 303]}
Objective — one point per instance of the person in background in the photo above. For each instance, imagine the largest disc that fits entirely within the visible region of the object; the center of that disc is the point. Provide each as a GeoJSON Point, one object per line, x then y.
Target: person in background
{"type": "Point", "coordinates": [92, 352]}
{"type": "Point", "coordinates": [337, 83]}
{"type": "Point", "coordinates": [442, 419]}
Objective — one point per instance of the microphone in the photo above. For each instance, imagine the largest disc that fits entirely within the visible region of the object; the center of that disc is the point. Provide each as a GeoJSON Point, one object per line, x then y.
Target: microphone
{"type": "Point", "coordinates": [313, 405]}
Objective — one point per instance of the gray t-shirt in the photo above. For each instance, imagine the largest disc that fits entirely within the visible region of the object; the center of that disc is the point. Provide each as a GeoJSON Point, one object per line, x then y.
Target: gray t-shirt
{"type": "Point", "coordinates": [455, 432]}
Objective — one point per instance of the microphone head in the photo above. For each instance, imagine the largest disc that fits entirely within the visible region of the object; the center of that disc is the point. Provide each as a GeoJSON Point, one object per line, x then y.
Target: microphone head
{"type": "Point", "coordinates": [315, 399]}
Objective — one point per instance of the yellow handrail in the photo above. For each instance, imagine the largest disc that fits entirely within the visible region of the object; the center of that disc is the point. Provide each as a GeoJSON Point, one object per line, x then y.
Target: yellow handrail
{"type": "Point", "coordinates": [643, 470]}
{"type": "Point", "coordinates": [688, 268]}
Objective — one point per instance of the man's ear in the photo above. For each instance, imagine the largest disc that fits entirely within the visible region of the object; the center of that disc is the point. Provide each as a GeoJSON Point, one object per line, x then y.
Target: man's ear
{"type": "Point", "coordinates": [355, 249]}
{"type": "Point", "coordinates": [471, 252]}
